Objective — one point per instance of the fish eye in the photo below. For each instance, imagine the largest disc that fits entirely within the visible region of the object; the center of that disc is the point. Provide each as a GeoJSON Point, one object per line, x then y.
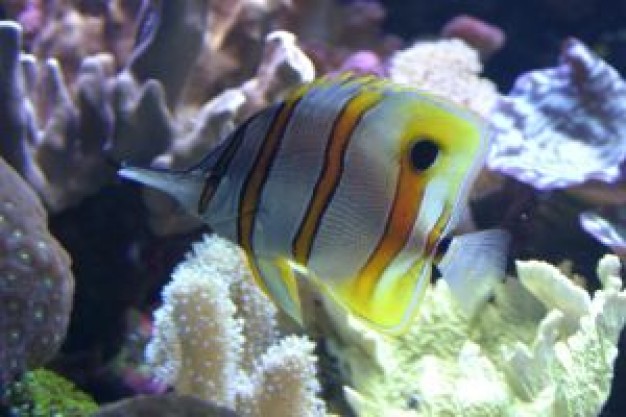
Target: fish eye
{"type": "Point", "coordinates": [423, 154]}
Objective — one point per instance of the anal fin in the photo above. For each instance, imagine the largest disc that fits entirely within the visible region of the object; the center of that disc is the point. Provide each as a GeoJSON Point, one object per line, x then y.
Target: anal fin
{"type": "Point", "coordinates": [277, 278]}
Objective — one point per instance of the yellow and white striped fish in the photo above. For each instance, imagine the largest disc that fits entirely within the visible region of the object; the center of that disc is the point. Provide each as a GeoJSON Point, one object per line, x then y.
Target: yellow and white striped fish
{"type": "Point", "coordinates": [355, 181]}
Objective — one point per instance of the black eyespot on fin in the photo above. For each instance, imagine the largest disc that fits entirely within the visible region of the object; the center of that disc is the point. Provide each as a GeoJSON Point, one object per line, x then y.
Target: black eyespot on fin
{"type": "Point", "coordinates": [423, 154]}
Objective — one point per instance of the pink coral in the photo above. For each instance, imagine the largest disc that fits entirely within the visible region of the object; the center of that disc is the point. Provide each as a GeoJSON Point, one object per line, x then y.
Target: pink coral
{"type": "Point", "coordinates": [482, 36]}
{"type": "Point", "coordinates": [363, 62]}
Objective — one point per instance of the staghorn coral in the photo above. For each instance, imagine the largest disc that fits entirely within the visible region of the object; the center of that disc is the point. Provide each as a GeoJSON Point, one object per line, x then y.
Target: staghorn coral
{"type": "Point", "coordinates": [562, 126]}
{"type": "Point", "coordinates": [36, 284]}
{"type": "Point", "coordinates": [449, 68]}
{"type": "Point", "coordinates": [207, 346]}
{"type": "Point", "coordinates": [542, 347]}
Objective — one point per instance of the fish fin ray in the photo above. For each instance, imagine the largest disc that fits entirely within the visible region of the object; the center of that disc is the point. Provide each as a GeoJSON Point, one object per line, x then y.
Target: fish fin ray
{"type": "Point", "coordinates": [184, 186]}
{"type": "Point", "coordinates": [472, 265]}
{"type": "Point", "coordinates": [276, 277]}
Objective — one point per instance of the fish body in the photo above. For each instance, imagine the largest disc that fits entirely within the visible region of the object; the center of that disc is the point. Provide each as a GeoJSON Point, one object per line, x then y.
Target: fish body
{"type": "Point", "coordinates": [354, 181]}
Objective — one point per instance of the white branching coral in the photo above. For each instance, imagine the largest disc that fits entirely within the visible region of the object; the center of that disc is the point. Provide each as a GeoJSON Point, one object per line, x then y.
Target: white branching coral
{"type": "Point", "coordinates": [542, 347]}
{"type": "Point", "coordinates": [215, 338]}
{"type": "Point", "coordinates": [197, 343]}
{"type": "Point", "coordinates": [282, 367]}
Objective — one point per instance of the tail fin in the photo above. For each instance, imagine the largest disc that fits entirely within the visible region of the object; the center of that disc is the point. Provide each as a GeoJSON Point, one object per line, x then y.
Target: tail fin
{"type": "Point", "coordinates": [473, 264]}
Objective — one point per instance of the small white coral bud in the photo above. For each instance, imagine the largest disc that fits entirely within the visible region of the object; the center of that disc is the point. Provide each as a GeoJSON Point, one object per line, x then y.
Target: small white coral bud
{"type": "Point", "coordinates": [608, 272]}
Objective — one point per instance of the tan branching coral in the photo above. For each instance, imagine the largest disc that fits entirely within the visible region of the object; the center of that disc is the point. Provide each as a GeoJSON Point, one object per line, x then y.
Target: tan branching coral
{"type": "Point", "coordinates": [216, 338]}
{"type": "Point", "coordinates": [277, 386]}
{"type": "Point", "coordinates": [198, 341]}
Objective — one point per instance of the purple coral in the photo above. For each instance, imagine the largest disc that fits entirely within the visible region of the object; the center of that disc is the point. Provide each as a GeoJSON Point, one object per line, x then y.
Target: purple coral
{"type": "Point", "coordinates": [36, 284]}
{"type": "Point", "coordinates": [561, 126]}
{"type": "Point", "coordinates": [609, 232]}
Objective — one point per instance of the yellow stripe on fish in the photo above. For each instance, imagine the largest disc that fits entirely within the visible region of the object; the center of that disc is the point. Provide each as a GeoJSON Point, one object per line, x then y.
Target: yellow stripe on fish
{"type": "Point", "coordinates": [253, 185]}
{"type": "Point", "coordinates": [354, 181]}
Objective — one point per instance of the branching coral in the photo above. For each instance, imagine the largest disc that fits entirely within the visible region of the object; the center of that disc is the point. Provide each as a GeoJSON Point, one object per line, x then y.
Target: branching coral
{"type": "Point", "coordinates": [36, 284]}
{"type": "Point", "coordinates": [57, 141]}
{"type": "Point", "coordinates": [65, 130]}
{"type": "Point", "coordinates": [216, 338]}
{"type": "Point", "coordinates": [540, 348]}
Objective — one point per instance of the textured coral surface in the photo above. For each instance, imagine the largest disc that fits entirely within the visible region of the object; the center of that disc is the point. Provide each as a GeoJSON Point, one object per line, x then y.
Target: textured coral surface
{"type": "Point", "coordinates": [216, 338]}
{"type": "Point", "coordinates": [544, 347]}
{"type": "Point", "coordinates": [36, 284]}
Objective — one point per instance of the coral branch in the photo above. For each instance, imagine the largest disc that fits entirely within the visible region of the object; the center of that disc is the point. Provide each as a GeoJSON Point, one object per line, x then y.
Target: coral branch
{"type": "Point", "coordinates": [216, 338]}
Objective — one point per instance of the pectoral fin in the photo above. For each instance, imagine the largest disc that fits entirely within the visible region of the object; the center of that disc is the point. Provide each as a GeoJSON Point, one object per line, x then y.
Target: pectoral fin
{"type": "Point", "coordinates": [472, 264]}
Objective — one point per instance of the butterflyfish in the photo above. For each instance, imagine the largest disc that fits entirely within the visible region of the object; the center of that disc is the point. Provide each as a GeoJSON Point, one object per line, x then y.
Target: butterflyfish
{"type": "Point", "coordinates": [359, 183]}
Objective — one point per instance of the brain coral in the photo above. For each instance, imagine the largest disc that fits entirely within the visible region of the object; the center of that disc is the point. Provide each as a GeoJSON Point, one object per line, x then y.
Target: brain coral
{"type": "Point", "coordinates": [36, 284]}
